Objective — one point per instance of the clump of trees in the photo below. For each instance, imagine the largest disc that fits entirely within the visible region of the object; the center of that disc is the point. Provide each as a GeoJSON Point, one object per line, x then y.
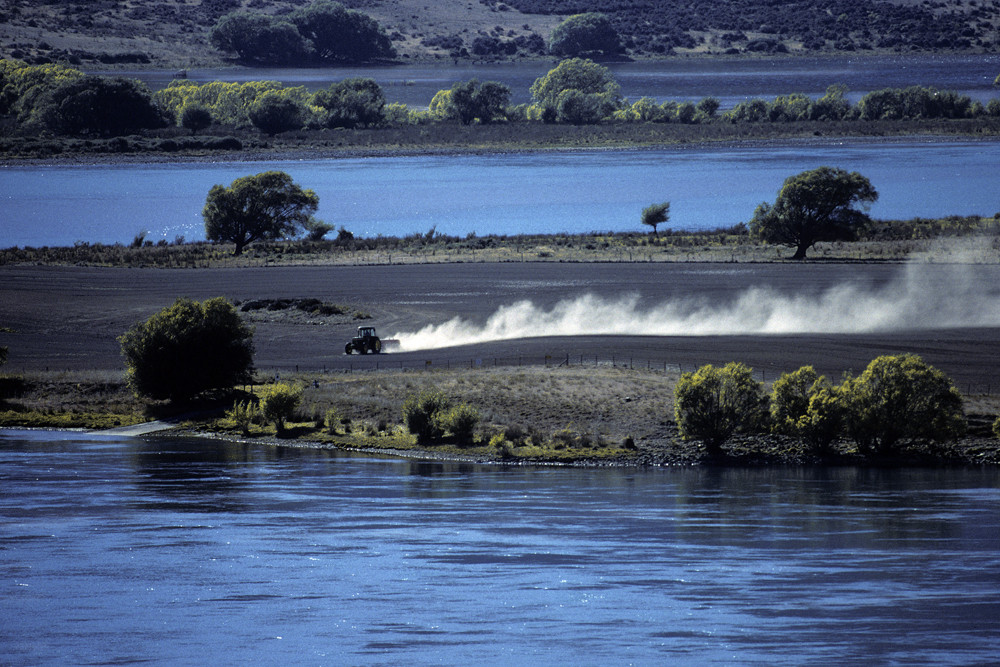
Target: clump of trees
{"type": "Point", "coordinates": [63, 100]}
{"type": "Point", "coordinates": [431, 416]}
{"type": "Point", "coordinates": [322, 32]}
{"type": "Point", "coordinates": [590, 34]}
{"type": "Point", "coordinates": [472, 101]}
{"type": "Point", "coordinates": [576, 91]}
{"type": "Point", "coordinates": [897, 400]}
{"type": "Point", "coordinates": [264, 206]}
{"type": "Point", "coordinates": [188, 348]}
{"type": "Point", "coordinates": [816, 205]}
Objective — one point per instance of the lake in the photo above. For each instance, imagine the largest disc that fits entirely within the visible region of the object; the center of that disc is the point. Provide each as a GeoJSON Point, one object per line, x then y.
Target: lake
{"type": "Point", "coordinates": [732, 80]}
{"type": "Point", "coordinates": [122, 551]}
{"type": "Point", "coordinates": [553, 192]}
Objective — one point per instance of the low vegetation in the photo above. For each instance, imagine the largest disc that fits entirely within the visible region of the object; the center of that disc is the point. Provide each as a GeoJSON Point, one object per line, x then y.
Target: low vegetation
{"type": "Point", "coordinates": [884, 240]}
{"type": "Point", "coordinates": [600, 415]}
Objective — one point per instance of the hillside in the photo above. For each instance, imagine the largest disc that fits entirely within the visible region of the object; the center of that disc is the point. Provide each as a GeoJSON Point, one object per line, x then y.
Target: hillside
{"type": "Point", "coordinates": [174, 33]}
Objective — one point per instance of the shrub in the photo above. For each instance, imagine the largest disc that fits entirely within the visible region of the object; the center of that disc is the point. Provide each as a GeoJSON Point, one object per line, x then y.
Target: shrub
{"type": "Point", "coordinates": [790, 396]}
{"type": "Point", "coordinates": [187, 349]}
{"type": "Point", "coordinates": [712, 404]}
{"type": "Point", "coordinates": [901, 398]}
{"type": "Point", "coordinates": [278, 403]}
{"type": "Point", "coordinates": [195, 117]}
{"type": "Point", "coordinates": [996, 424]}
{"type": "Point", "coordinates": [459, 420]}
{"type": "Point", "coordinates": [243, 414]}
{"type": "Point", "coordinates": [419, 413]}
{"type": "Point", "coordinates": [823, 421]}
{"type": "Point", "coordinates": [332, 419]}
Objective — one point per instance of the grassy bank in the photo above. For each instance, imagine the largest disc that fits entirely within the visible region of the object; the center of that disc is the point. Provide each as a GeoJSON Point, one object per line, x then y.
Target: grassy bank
{"type": "Point", "coordinates": [609, 415]}
{"type": "Point", "coordinates": [887, 240]}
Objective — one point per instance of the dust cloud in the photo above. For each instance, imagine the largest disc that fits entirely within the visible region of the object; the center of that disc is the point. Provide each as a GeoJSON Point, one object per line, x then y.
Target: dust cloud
{"type": "Point", "coordinates": [918, 298]}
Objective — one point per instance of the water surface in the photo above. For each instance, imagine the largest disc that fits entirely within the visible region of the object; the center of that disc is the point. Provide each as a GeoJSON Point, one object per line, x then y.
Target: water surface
{"type": "Point", "coordinates": [121, 551]}
{"type": "Point", "coordinates": [572, 191]}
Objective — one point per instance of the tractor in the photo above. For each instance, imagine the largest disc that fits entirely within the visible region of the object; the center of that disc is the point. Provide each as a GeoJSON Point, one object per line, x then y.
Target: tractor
{"type": "Point", "coordinates": [367, 342]}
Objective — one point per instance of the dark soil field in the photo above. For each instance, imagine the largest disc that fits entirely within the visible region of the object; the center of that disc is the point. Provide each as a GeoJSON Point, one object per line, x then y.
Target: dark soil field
{"type": "Point", "coordinates": [67, 318]}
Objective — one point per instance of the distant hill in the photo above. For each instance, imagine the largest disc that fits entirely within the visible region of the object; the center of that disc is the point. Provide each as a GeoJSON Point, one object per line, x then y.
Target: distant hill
{"type": "Point", "coordinates": [174, 33]}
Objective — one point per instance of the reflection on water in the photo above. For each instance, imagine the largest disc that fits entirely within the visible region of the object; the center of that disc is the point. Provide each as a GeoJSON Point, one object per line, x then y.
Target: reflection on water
{"type": "Point", "coordinates": [190, 551]}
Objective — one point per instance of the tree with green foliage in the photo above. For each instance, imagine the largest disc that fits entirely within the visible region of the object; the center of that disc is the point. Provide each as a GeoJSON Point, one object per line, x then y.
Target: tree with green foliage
{"type": "Point", "coordinates": [352, 103]}
{"type": "Point", "coordinates": [264, 206]}
{"type": "Point", "coordinates": [708, 106]}
{"type": "Point", "coordinates": [806, 405]}
{"type": "Point", "coordinates": [260, 39]}
{"type": "Point", "coordinates": [585, 77]}
{"type": "Point", "coordinates": [656, 214]}
{"type": "Point", "coordinates": [585, 34]}
{"type": "Point", "coordinates": [814, 206]}
{"type": "Point", "coordinates": [278, 403]}
{"type": "Point", "coordinates": [713, 403]}
{"type": "Point", "coordinates": [900, 398]}
{"type": "Point", "coordinates": [340, 35]}
{"type": "Point", "coordinates": [188, 348]}
{"type": "Point", "coordinates": [21, 85]}
{"type": "Point", "coordinates": [832, 106]}
{"type": "Point", "coordinates": [195, 117]}
{"type": "Point", "coordinates": [471, 101]}
{"type": "Point", "coordinates": [579, 108]}
{"type": "Point", "coordinates": [98, 105]}
{"type": "Point", "coordinates": [273, 112]}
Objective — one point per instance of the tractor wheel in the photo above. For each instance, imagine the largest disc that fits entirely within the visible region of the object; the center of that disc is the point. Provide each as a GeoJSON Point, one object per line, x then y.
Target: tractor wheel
{"type": "Point", "coordinates": [377, 347]}
{"type": "Point", "coordinates": [348, 349]}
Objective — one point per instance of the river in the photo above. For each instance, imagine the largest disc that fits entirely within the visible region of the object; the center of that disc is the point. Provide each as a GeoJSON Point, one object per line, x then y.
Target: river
{"type": "Point", "coordinates": [558, 192]}
{"type": "Point", "coordinates": [170, 551]}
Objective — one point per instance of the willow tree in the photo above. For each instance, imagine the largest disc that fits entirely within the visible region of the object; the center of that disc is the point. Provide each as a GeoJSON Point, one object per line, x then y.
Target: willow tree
{"type": "Point", "coordinates": [264, 206]}
{"type": "Point", "coordinates": [814, 206]}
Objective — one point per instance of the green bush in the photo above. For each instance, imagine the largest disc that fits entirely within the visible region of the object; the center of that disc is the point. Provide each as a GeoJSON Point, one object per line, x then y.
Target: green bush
{"type": "Point", "coordinates": [419, 412]}
{"type": "Point", "coordinates": [901, 398]}
{"type": "Point", "coordinates": [188, 348]}
{"type": "Point", "coordinates": [332, 420]}
{"type": "Point", "coordinates": [712, 404]}
{"type": "Point", "coordinates": [823, 421]}
{"type": "Point", "coordinates": [243, 414]}
{"type": "Point", "coordinates": [807, 406]}
{"type": "Point", "coordinates": [278, 403]}
{"type": "Point", "coordinates": [459, 420]}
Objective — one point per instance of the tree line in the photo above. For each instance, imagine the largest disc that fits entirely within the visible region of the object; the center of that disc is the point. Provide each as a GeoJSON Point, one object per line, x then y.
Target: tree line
{"type": "Point", "coordinates": [65, 101]}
